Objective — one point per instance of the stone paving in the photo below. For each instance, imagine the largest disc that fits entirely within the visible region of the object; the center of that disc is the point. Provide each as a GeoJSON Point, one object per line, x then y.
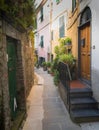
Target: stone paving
{"type": "Point", "coordinates": [35, 107]}
{"type": "Point", "coordinates": [46, 110]}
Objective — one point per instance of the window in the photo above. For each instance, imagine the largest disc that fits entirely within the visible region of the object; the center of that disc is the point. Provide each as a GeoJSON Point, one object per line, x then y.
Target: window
{"type": "Point", "coordinates": [86, 16]}
{"type": "Point", "coordinates": [61, 27]}
{"type": "Point", "coordinates": [42, 42]}
{"type": "Point", "coordinates": [73, 5]}
{"type": "Point", "coordinates": [41, 14]}
{"type": "Point", "coordinates": [57, 1]}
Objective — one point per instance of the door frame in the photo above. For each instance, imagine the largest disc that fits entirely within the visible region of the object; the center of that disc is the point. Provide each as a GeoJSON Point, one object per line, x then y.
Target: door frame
{"type": "Point", "coordinates": [79, 48]}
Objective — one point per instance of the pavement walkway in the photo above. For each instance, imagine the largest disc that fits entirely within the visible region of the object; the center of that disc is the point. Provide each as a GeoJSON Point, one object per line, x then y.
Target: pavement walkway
{"type": "Point", "coordinates": [46, 110]}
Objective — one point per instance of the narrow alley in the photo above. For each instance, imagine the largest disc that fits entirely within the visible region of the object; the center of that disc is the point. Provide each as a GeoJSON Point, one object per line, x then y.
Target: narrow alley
{"type": "Point", "coordinates": [46, 110]}
{"type": "Point", "coordinates": [49, 71]}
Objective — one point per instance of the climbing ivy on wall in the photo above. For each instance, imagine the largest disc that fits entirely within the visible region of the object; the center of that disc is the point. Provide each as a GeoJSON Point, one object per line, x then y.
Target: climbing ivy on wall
{"type": "Point", "coordinates": [22, 11]}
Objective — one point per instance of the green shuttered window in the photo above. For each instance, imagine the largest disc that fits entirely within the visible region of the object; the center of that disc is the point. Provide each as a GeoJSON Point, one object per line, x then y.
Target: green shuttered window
{"type": "Point", "coordinates": [41, 14]}
{"type": "Point", "coordinates": [42, 42]}
{"type": "Point", "coordinates": [73, 5]}
{"type": "Point", "coordinates": [57, 1]}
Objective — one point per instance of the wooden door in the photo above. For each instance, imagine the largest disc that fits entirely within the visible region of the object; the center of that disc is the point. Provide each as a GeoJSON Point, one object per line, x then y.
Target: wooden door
{"type": "Point", "coordinates": [85, 52]}
{"type": "Point", "coordinates": [11, 52]}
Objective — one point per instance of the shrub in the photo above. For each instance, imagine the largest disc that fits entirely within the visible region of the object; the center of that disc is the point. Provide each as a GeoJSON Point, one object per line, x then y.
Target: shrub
{"type": "Point", "coordinates": [56, 77]}
{"type": "Point", "coordinates": [68, 41]}
{"type": "Point", "coordinates": [48, 64]}
{"type": "Point", "coordinates": [57, 50]}
{"type": "Point", "coordinates": [55, 63]}
{"type": "Point", "coordinates": [67, 58]}
{"type": "Point", "coordinates": [44, 64]}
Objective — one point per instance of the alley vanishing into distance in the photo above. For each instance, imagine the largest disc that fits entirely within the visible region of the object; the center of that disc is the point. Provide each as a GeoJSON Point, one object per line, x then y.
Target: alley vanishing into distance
{"type": "Point", "coordinates": [46, 110]}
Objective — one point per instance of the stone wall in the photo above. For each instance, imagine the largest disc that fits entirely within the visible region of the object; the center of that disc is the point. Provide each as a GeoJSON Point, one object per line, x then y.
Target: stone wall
{"type": "Point", "coordinates": [21, 100]}
{"type": "Point", "coordinates": [4, 81]}
{"type": "Point", "coordinates": [24, 69]}
{"type": "Point", "coordinates": [28, 64]}
{"type": "Point", "coordinates": [1, 66]}
{"type": "Point", "coordinates": [63, 93]}
{"type": "Point", "coordinates": [72, 30]}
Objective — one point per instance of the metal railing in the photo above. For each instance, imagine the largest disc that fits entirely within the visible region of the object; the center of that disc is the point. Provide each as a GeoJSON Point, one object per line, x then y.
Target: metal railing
{"type": "Point", "coordinates": [65, 77]}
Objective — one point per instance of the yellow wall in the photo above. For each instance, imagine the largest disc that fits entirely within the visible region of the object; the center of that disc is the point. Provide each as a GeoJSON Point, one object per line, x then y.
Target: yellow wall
{"type": "Point", "coordinates": [72, 30]}
{"type": "Point", "coordinates": [55, 41]}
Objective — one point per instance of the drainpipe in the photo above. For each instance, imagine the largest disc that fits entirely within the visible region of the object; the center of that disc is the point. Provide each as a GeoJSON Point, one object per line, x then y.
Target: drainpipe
{"type": "Point", "coordinates": [51, 5]}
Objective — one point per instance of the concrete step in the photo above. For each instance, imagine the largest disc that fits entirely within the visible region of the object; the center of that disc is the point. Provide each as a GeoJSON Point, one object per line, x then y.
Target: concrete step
{"type": "Point", "coordinates": [83, 103]}
{"type": "Point", "coordinates": [84, 115]}
{"type": "Point", "coordinates": [83, 107]}
{"type": "Point", "coordinates": [83, 92]}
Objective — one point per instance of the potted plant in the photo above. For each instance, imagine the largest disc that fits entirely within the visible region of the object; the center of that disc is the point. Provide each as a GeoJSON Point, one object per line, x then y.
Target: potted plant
{"type": "Point", "coordinates": [48, 66]}
{"type": "Point", "coordinates": [44, 66]}
{"type": "Point", "coordinates": [52, 69]}
{"type": "Point", "coordinates": [68, 41]}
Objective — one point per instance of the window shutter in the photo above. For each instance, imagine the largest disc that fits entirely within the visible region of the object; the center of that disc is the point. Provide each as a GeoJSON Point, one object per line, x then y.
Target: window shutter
{"type": "Point", "coordinates": [42, 42]}
{"type": "Point", "coordinates": [57, 1]}
{"type": "Point", "coordinates": [73, 5]}
{"type": "Point", "coordinates": [41, 14]}
{"type": "Point", "coordinates": [61, 27]}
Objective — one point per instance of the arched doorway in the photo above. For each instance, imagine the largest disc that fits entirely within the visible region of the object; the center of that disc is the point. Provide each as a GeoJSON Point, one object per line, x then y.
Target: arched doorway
{"type": "Point", "coordinates": [85, 45]}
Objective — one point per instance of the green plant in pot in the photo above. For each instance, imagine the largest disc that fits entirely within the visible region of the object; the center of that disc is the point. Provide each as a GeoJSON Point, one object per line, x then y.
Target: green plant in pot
{"type": "Point", "coordinates": [52, 69]}
{"type": "Point", "coordinates": [48, 66]}
{"type": "Point", "coordinates": [44, 66]}
{"type": "Point", "coordinates": [68, 41]}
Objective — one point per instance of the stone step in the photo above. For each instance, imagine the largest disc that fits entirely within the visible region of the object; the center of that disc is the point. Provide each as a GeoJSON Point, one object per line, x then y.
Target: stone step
{"type": "Point", "coordinates": [83, 103]}
{"type": "Point", "coordinates": [83, 92]}
{"type": "Point", "coordinates": [84, 115]}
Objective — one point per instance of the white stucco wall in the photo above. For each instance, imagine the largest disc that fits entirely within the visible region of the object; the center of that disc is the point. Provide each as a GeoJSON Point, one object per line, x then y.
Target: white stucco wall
{"type": "Point", "coordinates": [43, 29]}
{"type": "Point", "coordinates": [59, 10]}
{"type": "Point", "coordinates": [42, 52]}
{"type": "Point", "coordinates": [94, 5]}
{"type": "Point", "coordinates": [38, 2]}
